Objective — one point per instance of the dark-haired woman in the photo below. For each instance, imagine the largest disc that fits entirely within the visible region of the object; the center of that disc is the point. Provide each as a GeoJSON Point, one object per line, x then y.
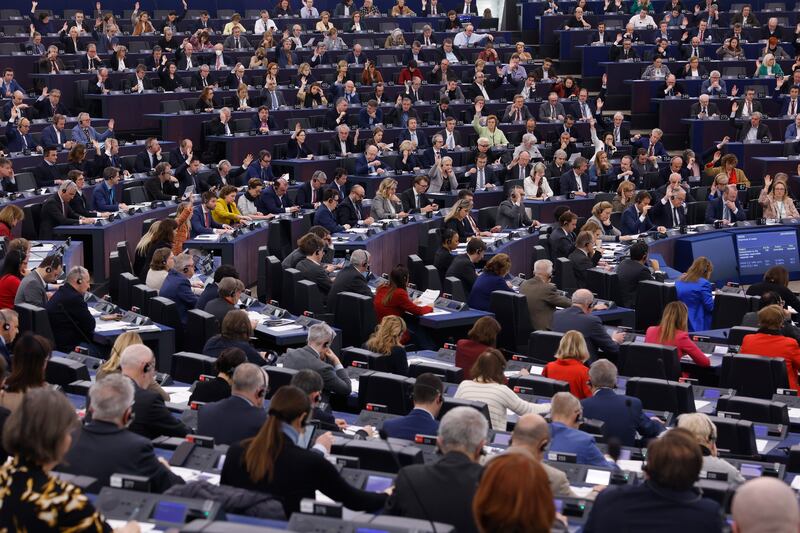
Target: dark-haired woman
{"type": "Point", "coordinates": [219, 388]}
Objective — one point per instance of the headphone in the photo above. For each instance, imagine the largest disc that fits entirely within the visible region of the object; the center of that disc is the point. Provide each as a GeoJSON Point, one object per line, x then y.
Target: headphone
{"type": "Point", "coordinates": [79, 281]}
{"type": "Point", "coordinates": [262, 392]}
{"type": "Point", "coordinates": [4, 318]}
{"type": "Point", "coordinates": [146, 368]}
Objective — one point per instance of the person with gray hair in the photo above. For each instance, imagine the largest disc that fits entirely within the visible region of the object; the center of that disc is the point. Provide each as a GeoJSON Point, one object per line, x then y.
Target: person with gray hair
{"type": "Point", "coordinates": [349, 210]}
{"type": "Point", "coordinates": [528, 144]}
{"type": "Point", "coordinates": [578, 317]}
{"type": "Point", "coordinates": [106, 446]}
{"type": "Point", "coordinates": [229, 291]}
{"type": "Point", "coordinates": [512, 214]}
{"type": "Point", "coordinates": [623, 415]}
{"type": "Point", "coordinates": [442, 173]}
{"type": "Point", "coordinates": [177, 286]}
{"type": "Point", "coordinates": [441, 491]}
{"type": "Point", "coordinates": [542, 296]}
{"type": "Point", "coordinates": [704, 432]}
{"type": "Point", "coordinates": [342, 145]}
{"type": "Point", "coordinates": [242, 414]}
{"type": "Point", "coordinates": [566, 414]}
{"type": "Point", "coordinates": [765, 505]}
{"type": "Point", "coordinates": [317, 355]}
{"type": "Point", "coordinates": [352, 278]}
{"type": "Point", "coordinates": [56, 211]}
{"type": "Point", "coordinates": [151, 417]}
{"type": "Point", "coordinates": [70, 320]}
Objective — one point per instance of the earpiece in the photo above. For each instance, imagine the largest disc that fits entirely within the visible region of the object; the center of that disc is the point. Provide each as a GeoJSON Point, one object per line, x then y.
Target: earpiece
{"type": "Point", "coordinates": [262, 392]}
{"type": "Point", "coordinates": [79, 281]}
{"type": "Point", "coordinates": [146, 368]}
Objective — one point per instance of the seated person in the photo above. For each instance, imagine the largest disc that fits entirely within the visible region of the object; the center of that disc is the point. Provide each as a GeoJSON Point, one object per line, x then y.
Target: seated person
{"type": "Point", "coordinates": [318, 356]}
{"type": "Point", "coordinates": [569, 364]}
{"type": "Point", "coordinates": [566, 413]}
{"type": "Point", "coordinates": [481, 337]}
{"type": "Point", "coordinates": [705, 432]}
{"type": "Point", "coordinates": [385, 340]}
{"type": "Point", "coordinates": [219, 388]}
{"type": "Point", "coordinates": [490, 280]}
{"type": "Point", "coordinates": [235, 332]}
{"type": "Point", "coordinates": [70, 320]}
{"type": "Point", "coordinates": [428, 399]}
{"type": "Point", "coordinates": [674, 331]}
{"type": "Point", "coordinates": [769, 342]}
{"type": "Point", "coordinates": [177, 286]}
{"type": "Point", "coordinates": [229, 290]}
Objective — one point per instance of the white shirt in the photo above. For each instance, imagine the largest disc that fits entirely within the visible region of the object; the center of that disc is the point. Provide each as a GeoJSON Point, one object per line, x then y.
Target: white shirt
{"type": "Point", "coordinates": [642, 23]}
{"type": "Point", "coordinates": [309, 13]}
{"type": "Point", "coordinates": [451, 57]}
{"type": "Point", "coordinates": [461, 39]}
{"type": "Point", "coordinates": [262, 26]}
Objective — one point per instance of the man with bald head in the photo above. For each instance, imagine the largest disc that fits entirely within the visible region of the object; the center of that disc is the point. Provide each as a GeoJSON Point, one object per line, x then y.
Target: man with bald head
{"type": "Point", "coordinates": [532, 433]}
{"type": "Point", "coordinates": [151, 417]}
{"type": "Point", "coordinates": [566, 414]}
{"type": "Point", "coordinates": [765, 505]}
{"type": "Point", "coordinates": [578, 317]}
{"type": "Point", "coordinates": [704, 108]}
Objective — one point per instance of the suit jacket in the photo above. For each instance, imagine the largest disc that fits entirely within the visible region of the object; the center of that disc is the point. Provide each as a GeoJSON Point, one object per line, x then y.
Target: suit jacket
{"type": "Point", "coordinates": [14, 139]}
{"type": "Point", "coordinates": [230, 420]}
{"type": "Point", "coordinates": [568, 440]}
{"type": "Point", "coordinates": [364, 120]}
{"type": "Point", "coordinates": [631, 223]}
{"type": "Point", "coordinates": [78, 135]}
{"type": "Point", "coordinates": [347, 280]}
{"type": "Point", "coordinates": [198, 222]}
{"type": "Point", "coordinates": [629, 274]}
{"type": "Point", "coordinates": [542, 302]}
{"type": "Point", "coordinates": [46, 174]}
{"type": "Point", "coordinates": [53, 215]}
{"type": "Point", "coordinates": [177, 288]}
{"type": "Point", "coordinates": [31, 290]}
{"type": "Point", "coordinates": [661, 215]}
{"type": "Point", "coordinates": [756, 107]}
{"type": "Point", "coordinates": [695, 109]}
{"type": "Point", "coordinates": [490, 176]}
{"type": "Point", "coordinates": [510, 115]}
{"type": "Point", "coordinates": [66, 310]}
{"type": "Point", "coordinates": [512, 216]}
{"type": "Point", "coordinates": [152, 418]}
{"type": "Point", "coordinates": [623, 416]}
{"type": "Point", "coordinates": [143, 162]}
{"type": "Point", "coordinates": [658, 148]}
{"type": "Point", "coordinates": [561, 243]}
{"type": "Point", "coordinates": [316, 273]}
{"type": "Point", "coordinates": [744, 129]}
{"type": "Point", "coordinates": [417, 422]}
{"type": "Point", "coordinates": [715, 208]}
{"type": "Point", "coordinates": [347, 212]}
{"type": "Point", "coordinates": [336, 381]}
{"type": "Point", "coordinates": [50, 138]}
{"type": "Point", "coordinates": [155, 190]}
{"type": "Point", "coordinates": [440, 491]}
{"type": "Point", "coordinates": [80, 206]}
{"type": "Point", "coordinates": [589, 325]}
{"type": "Point", "coordinates": [44, 109]}
{"type": "Point", "coordinates": [422, 138]}
{"type": "Point", "coordinates": [409, 205]}
{"type": "Point", "coordinates": [273, 204]}
{"type": "Point", "coordinates": [580, 264]}
{"type": "Point", "coordinates": [102, 200]}
{"type": "Point", "coordinates": [102, 449]}
{"type": "Point", "coordinates": [545, 112]}
{"type": "Point", "coordinates": [463, 269]}
{"type": "Point", "coordinates": [325, 218]}
{"type": "Point", "coordinates": [569, 183]}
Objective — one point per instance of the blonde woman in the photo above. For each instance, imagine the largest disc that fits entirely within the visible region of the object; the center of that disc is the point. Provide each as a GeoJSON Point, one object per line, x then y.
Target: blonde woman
{"type": "Point", "coordinates": [241, 98]}
{"type": "Point", "coordinates": [10, 216]}
{"type": "Point", "coordinates": [333, 42]}
{"type": "Point", "coordinates": [386, 341]}
{"type": "Point", "coordinates": [140, 254]}
{"type": "Point", "coordinates": [324, 25]}
{"type": "Point", "coordinates": [386, 204]}
{"type": "Point", "coordinates": [695, 290]}
{"type": "Point", "coordinates": [624, 198]}
{"type": "Point", "coordinates": [536, 185]}
{"type": "Point", "coordinates": [601, 215]}
{"type": "Point", "coordinates": [442, 173]}
{"type": "Point", "coordinates": [524, 56]}
{"type": "Point", "coordinates": [774, 198]}
{"type": "Point", "coordinates": [569, 364]}
{"type": "Point", "coordinates": [129, 338]}
{"type": "Point", "coordinates": [674, 331]}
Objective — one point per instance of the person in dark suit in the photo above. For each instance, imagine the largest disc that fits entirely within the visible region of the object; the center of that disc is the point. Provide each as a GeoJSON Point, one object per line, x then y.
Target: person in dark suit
{"type": "Point", "coordinates": [415, 200]}
{"type": "Point", "coordinates": [150, 158]}
{"type": "Point", "coordinates": [241, 415]}
{"type": "Point", "coordinates": [703, 108]}
{"type": "Point", "coordinates": [49, 104]}
{"type": "Point", "coordinates": [105, 445]}
{"type": "Point", "coordinates": [443, 257]}
{"type": "Point", "coordinates": [752, 130]}
{"type": "Point", "coordinates": [577, 179]}
{"type": "Point", "coordinates": [311, 193]}
{"type": "Point", "coordinates": [18, 136]}
{"type": "Point", "coordinates": [463, 266]}
{"type": "Point", "coordinates": [311, 267]}
{"type": "Point", "coordinates": [57, 212]}
{"type": "Point", "coordinates": [440, 491]}
{"type": "Point", "coordinates": [262, 122]}
{"type": "Point", "coordinates": [70, 320]}
{"type": "Point", "coordinates": [229, 290]}
{"type": "Point", "coordinates": [202, 221]}
{"type": "Point", "coordinates": [47, 173]}
{"type": "Point", "coordinates": [428, 398]}
{"type": "Point", "coordinates": [54, 134]}
{"type": "Point", "coordinates": [726, 207]}
{"type": "Point", "coordinates": [311, 384]}
{"type": "Point", "coordinates": [79, 204]}
{"type": "Point", "coordinates": [177, 287]}
{"type": "Point", "coordinates": [622, 414]}
{"type": "Point", "coordinates": [668, 496]}
{"type": "Point", "coordinates": [163, 186]}
{"type": "Point", "coordinates": [227, 175]}
{"type": "Point", "coordinates": [291, 472]}
{"type": "Point", "coordinates": [579, 317]}
{"type": "Point", "coordinates": [565, 413]}
{"type": "Point", "coordinates": [511, 214]}
{"type": "Point", "coordinates": [631, 271]}
{"type": "Point", "coordinates": [151, 418]}
{"type": "Point", "coordinates": [219, 388]}
{"type": "Point", "coordinates": [349, 210]}
{"type": "Point", "coordinates": [324, 216]}
{"type": "Point", "coordinates": [351, 278]}
{"type": "Point", "coordinates": [636, 219]}
{"type": "Point", "coordinates": [584, 257]}
{"type": "Point", "coordinates": [275, 200]}
{"type": "Point", "coordinates": [562, 238]}
{"type": "Point", "coordinates": [317, 355]}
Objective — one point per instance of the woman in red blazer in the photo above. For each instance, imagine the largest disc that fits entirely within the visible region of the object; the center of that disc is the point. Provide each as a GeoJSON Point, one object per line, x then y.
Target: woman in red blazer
{"type": "Point", "coordinates": [392, 299]}
{"type": "Point", "coordinates": [10, 216]}
{"type": "Point", "coordinates": [481, 337]}
{"type": "Point", "coordinates": [15, 267]}
{"type": "Point", "coordinates": [769, 342]}
{"type": "Point", "coordinates": [673, 331]}
{"type": "Point", "coordinates": [569, 367]}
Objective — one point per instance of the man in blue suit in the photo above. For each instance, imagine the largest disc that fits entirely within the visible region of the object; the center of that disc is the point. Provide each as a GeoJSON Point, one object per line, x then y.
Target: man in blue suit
{"type": "Point", "coordinates": [18, 137]}
{"type": "Point", "coordinates": [49, 104]}
{"type": "Point", "coordinates": [579, 317]}
{"type": "Point", "coordinates": [177, 286]}
{"type": "Point", "coordinates": [566, 414]}
{"type": "Point", "coordinates": [623, 415]}
{"type": "Point", "coordinates": [726, 207]}
{"type": "Point", "coordinates": [105, 194]}
{"type": "Point", "coordinates": [576, 180]}
{"type": "Point", "coordinates": [790, 106]}
{"type": "Point", "coordinates": [652, 145]}
{"type": "Point", "coordinates": [370, 115]}
{"type": "Point", "coordinates": [84, 133]}
{"type": "Point", "coordinates": [414, 135]}
{"type": "Point", "coordinates": [275, 200]}
{"type": "Point", "coordinates": [10, 321]}
{"type": "Point", "coordinates": [793, 130]}
{"type": "Point", "coordinates": [202, 221]}
{"type": "Point", "coordinates": [421, 420]}
{"type": "Point", "coordinates": [55, 135]}
{"type": "Point", "coordinates": [8, 85]}
{"type": "Point", "coordinates": [261, 169]}
{"type": "Point", "coordinates": [241, 415]}
{"type": "Point", "coordinates": [635, 219]}
{"type": "Point", "coordinates": [324, 215]}
{"type": "Point", "coordinates": [368, 164]}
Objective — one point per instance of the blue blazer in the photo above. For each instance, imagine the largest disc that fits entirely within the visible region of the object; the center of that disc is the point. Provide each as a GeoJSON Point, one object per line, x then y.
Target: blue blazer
{"type": "Point", "coordinates": [177, 288]}
{"type": "Point", "coordinates": [199, 224]}
{"type": "Point", "coordinates": [417, 422]}
{"type": "Point", "coordinates": [79, 136]}
{"type": "Point", "coordinates": [104, 198]}
{"type": "Point", "coordinates": [482, 290]}
{"type": "Point", "coordinates": [49, 136]}
{"type": "Point", "coordinates": [422, 138]}
{"type": "Point", "coordinates": [631, 225]}
{"type": "Point", "coordinates": [715, 208]}
{"type": "Point", "coordinates": [791, 131]}
{"type": "Point", "coordinates": [622, 415]}
{"type": "Point", "coordinates": [568, 440]}
{"type": "Point", "coordinates": [323, 217]}
{"type": "Point", "coordinates": [272, 204]}
{"type": "Point", "coordinates": [364, 119]}
{"type": "Point", "coordinates": [230, 420]}
{"type": "Point", "coordinates": [658, 148]}
{"type": "Point", "coordinates": [362, 169]}
{"type": "Point", "coordinates": [568, 183]}
{"type": "Point", "coordinates": [255, 171]}
{"type": "Point", "coordinates": [14, 139]}
{"type": "Point", "coordinates": [699, 299]}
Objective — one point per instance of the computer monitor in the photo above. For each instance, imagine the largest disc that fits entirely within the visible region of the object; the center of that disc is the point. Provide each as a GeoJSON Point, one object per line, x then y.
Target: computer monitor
{"type": "Point", "coordinates": [758, 251]}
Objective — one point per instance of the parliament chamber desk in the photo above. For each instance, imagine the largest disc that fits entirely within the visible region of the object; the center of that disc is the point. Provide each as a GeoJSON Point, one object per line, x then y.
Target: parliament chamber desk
{"type": "Point", "coordinates": [21, 161]}
{"type": "Point", "coordinates": [72, 255]}
{"type": "Point", "coordinates": [642, 92]}
{"type": "Point", "coordinates": [705, 132]}
{"type": "Point", "coordinates": [674, 113]}
{"type": "Point", "coordinates": [773, 165]}
{"type": "Point", "coordinates": [238, 251]}
{"type": "Point", "coordinates": [543, 210]}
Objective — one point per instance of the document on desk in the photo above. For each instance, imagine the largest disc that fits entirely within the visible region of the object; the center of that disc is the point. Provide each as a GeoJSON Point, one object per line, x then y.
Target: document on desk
{"type": "Point", "coordinates": [796, 482]}
{"type": "Point", "coordinates": [582, 492]}
{"type": "Point", "coordinates": [354, 385]}
{"type": "Point", "coordinates": [761, 445]}
{"type": "Point", "coordinates": [190, 475]}
{"type": "Point", "coordinates": [43, 247]}
{"type": "Point", "coordinates": [143, 526]}
{"type": "Point", "coordinates": [178, 394]}
{"type": "Point", "coordinates": [110, 325]}
{"type": "Point", "coordinates": [437, 312]}
{"type": "Point", "coordinates": [287, 327]}
{"type": "Point", "coordinates": [210, 237]}
{"type": "Point", "coordinates": [428, 297]}
{"type": "Point", "coordinates": [94, 312]}
{"type": "Point", "coordinates": [699, 404]}
{"type": "Point", "coordinates": [794, 412]}
{"type": "Point", "coordinates": [362, 231]}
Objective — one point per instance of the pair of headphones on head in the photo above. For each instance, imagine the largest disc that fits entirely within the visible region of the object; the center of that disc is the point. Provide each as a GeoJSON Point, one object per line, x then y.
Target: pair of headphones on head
{"type": "Point", "coordinates": [262, 392]}
{"type": "Point", "coordinates": [146, 368]}
{"type": "Point", "coordinates": [4, 318]}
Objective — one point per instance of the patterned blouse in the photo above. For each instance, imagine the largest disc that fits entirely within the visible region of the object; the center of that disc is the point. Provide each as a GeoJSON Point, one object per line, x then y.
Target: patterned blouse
{"type": "Point", "coordinates": [32, 501]}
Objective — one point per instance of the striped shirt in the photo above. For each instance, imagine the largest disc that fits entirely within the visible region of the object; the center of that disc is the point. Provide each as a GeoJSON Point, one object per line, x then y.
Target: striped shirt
{"type": "Point", "coordinates": [499, 398]}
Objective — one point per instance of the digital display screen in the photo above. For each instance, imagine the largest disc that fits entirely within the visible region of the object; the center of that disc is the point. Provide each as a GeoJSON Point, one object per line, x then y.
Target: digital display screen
{"type": "Point", "coordinates": [378, 483]}
{"type": "Point", "coordinates": [749, 470]}
{"type": "Point", "coordinates": [760, 251]}
{"type": "Point", "coordinates": [598, 477]}
{"type": "Point", "coordinates": [625, 455]}
{"type": "Point", "coordinates": [760, 431]}
{"type": "Point", "coordinates": [711, 394]}
{"type": "Point", "coordinates": [503, 439]}
{"type": "Point", "coordinates": [716, 247]}
{"type": "Point", "coordinates": [451, 389]}
{"type": "Point", "coordinates": [172, 512]}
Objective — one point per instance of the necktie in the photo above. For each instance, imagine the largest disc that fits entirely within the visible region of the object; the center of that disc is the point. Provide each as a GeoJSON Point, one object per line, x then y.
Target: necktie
{"type": "Point", "coordinates": [313, 196]}
{"type": "Point", "coordinates": [86, 133]}
{"type": "Point", "coordinates": [675, 218]}
{"type": "Point", "coordinates": [519, 116]}
{"type": "Point", "coordinates": [585, 111]}
{"type": "Point", "coordinates": [54, 67]}
{"type": "Point", "coordinates": [521, 172]}
{"type": "Point", "coordinates": [237, 43]}
{"type": "Point", "coordinates": [413, 137]}
{"type": "Point", "coordinates": [450, 142]}
{"type": "Point", "coordinates": [218, 64]}
{"type": "Point", "coordinates": [466, 8]}
{"type": "Point", "coordinates": [208, 224]}
{"type": "Point", "coordinates": [480, 182]}
{"type": "Point", "coordinates": [274, 100]}
{"type": "Point", "coordinates": [416, 200]}
{"type": "Point", "coordinates": [694, 52]}
{"type": "Point", "coordinates": [227, 129]}
{"type": "Point", "coordinates": [63, 208]}
{"type": "Point", "coordinates": [704, 111]}
{"type": "Point", "coordinates": [552, 112]}
{"type": "Point", "coordinates": [111, 195]}
{"type": "Point", "coordinates": [358, 211]}
{"type": "Point", "coordinates": [616, 135]}
{"type": "Point", "coordinates": [793, 107]}
{"type": "Point", "coordinates": [726, 213]}
{"type": "Point", "coordinates": [25, 141]}
{"type": "Point", "coordinates": [580, 184]}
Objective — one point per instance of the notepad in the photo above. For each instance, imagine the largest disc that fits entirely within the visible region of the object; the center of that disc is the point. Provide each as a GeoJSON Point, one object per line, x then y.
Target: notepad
{"type": "Point", "coordinates": [190, 475]}
{"type": "Point", "coordinates": [598, 477]}
{"type": "Point", "coordinates": [437, 312]}
{"type": "Point", "coordinates": [537, 370]}
{"type": "Point", "coordinates": [699, 404]}
{"type": "Point", "coordinates": [110, 325]}
{"type": "Point", "coordinates": [794, 412]}
{"type": "Point", "coordinates": [428, 297]}
{"type": "Point", "coordinates": [761, 445]}
{"type": "Point", "coordinates": [207, 237]}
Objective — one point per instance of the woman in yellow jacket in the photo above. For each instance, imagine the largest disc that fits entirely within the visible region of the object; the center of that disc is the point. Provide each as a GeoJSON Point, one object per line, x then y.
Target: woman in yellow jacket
{"type": "Point", "coordinates": [727, 165]}
{"type": "Point", "coordinates": [226, 211]}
